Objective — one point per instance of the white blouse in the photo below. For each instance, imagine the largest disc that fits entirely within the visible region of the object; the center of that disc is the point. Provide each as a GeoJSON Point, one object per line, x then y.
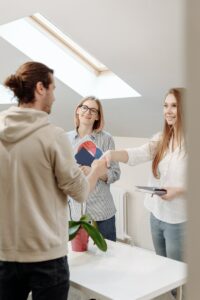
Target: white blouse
{"type": "Point", "coordinates": [172, 169]}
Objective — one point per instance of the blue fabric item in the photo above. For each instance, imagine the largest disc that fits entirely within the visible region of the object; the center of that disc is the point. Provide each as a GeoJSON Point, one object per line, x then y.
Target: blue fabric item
{"type": "Point", "coordinates": [108, 228]}
{"type": "Point", "coordinates": [84, 158]}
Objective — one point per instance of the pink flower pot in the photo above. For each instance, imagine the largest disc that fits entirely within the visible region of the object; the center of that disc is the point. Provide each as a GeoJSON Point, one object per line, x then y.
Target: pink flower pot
{"type": "Point", "coordinates": [80, 242]}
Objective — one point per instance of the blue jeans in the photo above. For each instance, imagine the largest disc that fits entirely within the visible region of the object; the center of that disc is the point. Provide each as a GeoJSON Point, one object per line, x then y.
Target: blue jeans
{"type": "Point", "coordinates": [48, 280]}
{"type": "Point", "coordinates": [168, 239]}
{"type": "Point", "coordinates": [108, 228]}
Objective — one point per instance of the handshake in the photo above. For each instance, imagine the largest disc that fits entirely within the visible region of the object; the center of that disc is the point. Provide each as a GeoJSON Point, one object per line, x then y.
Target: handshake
{"type": "Point", "coordinates": [111, 155]}
{"type": "Point", "coordinates": [101, 165]}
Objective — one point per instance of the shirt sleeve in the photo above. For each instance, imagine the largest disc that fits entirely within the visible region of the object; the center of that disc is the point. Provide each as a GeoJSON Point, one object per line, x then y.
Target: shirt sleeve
{"type": "Point", "coordinates": [114, 171]}
{"type": "Point", "coordinates": [143, 153]}
{"type": "Point", "coordinates": [70, 178]}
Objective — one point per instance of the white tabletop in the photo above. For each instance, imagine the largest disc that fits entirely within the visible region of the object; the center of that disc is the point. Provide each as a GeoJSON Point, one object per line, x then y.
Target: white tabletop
{"type": "Point", "coordinates": [124, 272]}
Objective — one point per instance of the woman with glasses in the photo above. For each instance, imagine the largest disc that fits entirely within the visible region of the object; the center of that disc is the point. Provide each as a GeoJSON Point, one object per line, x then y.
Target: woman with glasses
{"type": "Point", "coordinates": [168, 154]}
{"type": "Point", "coordinates": [89, 123]}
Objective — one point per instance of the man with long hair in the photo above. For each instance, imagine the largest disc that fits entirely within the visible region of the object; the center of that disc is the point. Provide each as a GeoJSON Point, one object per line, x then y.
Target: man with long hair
{"type": "Point", "coordinates": [38, 171]}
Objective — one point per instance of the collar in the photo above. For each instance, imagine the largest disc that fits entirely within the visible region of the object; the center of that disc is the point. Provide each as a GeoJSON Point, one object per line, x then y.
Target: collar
{"type": "Point", "coordinates": [92, 135]}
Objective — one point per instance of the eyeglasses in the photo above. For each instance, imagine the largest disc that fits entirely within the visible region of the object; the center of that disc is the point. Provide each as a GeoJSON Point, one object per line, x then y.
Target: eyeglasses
{"type": "Point", "coordinates": [85, 108]}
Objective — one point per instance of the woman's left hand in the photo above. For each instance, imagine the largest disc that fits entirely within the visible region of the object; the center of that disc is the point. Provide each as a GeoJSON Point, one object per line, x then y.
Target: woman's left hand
{"type": "Point", "coordinates": [172, 192]}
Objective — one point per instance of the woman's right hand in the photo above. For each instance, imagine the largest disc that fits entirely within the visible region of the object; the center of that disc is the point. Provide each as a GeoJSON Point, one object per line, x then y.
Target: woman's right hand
{"type": "Point", "coordinates": [115, 155]}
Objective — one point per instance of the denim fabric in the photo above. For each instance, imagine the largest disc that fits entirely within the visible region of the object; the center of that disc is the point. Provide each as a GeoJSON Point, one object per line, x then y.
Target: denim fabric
{"type": "Point", "coordinates": [48, 280]}
{"type": "Point", "coordinates": [108, 228]}
{"type": "Point", "coordinates": [168, 239]}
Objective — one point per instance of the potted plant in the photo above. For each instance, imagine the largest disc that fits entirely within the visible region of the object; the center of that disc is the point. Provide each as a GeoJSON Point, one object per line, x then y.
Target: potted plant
{"type": "Point", "coordinates": [79, 232]}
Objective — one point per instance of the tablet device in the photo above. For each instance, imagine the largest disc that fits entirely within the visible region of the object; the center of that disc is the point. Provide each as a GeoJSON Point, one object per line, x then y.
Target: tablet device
{"type": "Point", "coordinates": [151, 190]}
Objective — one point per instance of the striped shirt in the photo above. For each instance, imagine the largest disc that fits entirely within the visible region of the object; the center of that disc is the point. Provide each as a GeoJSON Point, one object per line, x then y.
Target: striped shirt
{"type": "Point", "coordinates": [100, 205]}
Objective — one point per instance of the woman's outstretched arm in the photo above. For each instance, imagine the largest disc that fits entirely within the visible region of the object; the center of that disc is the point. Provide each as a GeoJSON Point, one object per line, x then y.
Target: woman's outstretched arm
{"type": "Point", "coordinates": [115, 155]}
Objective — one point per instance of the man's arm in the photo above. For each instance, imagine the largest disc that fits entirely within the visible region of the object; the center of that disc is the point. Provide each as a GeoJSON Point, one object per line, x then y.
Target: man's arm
{"type": "Point", "coordinates": [98, 169]}
{"type": "Point", "coordinates": [69, 177]}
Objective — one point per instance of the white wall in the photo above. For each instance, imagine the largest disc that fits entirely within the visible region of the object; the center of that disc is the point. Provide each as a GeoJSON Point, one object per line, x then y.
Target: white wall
{"type": "Point", "coordinates": [137, 214]}
{"type": "Point", "coordinates": [193, 109]}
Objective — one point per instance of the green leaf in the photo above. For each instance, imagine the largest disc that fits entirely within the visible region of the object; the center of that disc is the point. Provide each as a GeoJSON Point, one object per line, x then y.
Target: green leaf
{"type": "Point", "coordinates": [95, 235]}
{"type": "Point", "coordinates": [73, 223]}
{"type": "Point", "coordinates": [85, 218]}
{"type": "Point", "coordinates": [73, 229]}
{"type": "Point", "coordinates": [94, 223]}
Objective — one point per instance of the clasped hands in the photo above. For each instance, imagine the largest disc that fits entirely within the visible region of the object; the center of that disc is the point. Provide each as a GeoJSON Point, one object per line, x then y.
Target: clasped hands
{"type": "Point", "coordinates": [100, 165]}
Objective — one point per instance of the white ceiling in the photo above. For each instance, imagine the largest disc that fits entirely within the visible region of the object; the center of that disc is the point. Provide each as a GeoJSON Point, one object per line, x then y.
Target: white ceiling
{"type": "Point", "coordinates": [142, 41]}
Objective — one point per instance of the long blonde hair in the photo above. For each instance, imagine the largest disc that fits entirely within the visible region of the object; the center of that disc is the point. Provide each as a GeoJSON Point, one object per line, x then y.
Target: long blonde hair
{"type": "Point", "coordinates": [168, 130]}
{"type": "Point", "coordinates": [98, 124]}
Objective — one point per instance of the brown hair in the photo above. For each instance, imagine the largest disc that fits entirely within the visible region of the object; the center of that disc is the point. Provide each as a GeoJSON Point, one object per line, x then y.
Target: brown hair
{"type": "Point", "coordinates": [24, 81]}
{"type": "Point", "coordinates": [168, 130]}
{"type": "Point", "coordinates": [98, 124]}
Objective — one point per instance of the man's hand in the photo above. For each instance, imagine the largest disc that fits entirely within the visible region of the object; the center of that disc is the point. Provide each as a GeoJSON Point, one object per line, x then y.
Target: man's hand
{"type": "Point", "coordinates": [108, 157]}
{"type": "Point", "coordinates": [100, 166]}
{"type": "Point", "coordinates": [86, 170]}
{"type": "Point", "coordinates": [98, 169]}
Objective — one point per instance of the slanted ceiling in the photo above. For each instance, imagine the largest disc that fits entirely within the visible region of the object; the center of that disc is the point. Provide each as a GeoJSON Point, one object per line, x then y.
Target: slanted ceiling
{"type": "Point", "coordinates": [143, 42]}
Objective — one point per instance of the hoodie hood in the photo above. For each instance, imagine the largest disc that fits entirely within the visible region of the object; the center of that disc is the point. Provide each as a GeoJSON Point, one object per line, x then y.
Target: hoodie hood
{"type": "Point", "coordinates": [16, 123]}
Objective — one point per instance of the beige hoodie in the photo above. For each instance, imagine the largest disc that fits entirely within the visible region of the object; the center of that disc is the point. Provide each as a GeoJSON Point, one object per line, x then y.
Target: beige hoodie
{"type": "Point", "coordinates": [37, 172]}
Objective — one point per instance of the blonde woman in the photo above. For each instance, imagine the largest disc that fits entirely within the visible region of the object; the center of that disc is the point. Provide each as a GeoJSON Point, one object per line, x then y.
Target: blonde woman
{"type": "Point", "coordinates": [89, 121]}
{"type": "Point", "coordinates": [169, 158]}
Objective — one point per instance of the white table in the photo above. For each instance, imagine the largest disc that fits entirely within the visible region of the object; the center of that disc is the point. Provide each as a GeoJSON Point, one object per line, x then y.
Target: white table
{"type": "Point", "coordinates": [124, 273]}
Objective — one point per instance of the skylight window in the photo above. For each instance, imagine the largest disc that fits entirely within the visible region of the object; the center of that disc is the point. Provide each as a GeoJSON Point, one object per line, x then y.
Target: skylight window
{"type": "Point", "coordinates": [40, 40]}
{"type": "Point", "coordinates": [75, 48]}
